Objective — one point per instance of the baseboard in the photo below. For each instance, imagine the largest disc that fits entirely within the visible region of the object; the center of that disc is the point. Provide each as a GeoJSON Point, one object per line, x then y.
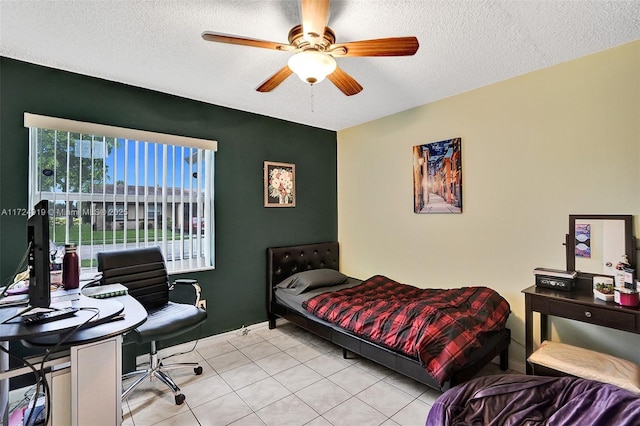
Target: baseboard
{"type": "Point", "coordinates": [235, 333]}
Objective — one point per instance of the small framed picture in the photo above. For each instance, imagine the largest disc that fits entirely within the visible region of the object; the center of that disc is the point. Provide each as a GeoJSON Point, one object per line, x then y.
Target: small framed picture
{"type": "Point", "coordinates": [279, 184]}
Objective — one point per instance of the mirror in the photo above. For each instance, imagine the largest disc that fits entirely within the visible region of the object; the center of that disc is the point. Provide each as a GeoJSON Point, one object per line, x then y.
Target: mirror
{"type": "Point", "coordinates": [596, 243]}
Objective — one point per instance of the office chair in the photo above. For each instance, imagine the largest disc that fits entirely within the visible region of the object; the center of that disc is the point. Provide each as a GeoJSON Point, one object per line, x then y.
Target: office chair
{"type": "Point", "coordinates": [144, 273]}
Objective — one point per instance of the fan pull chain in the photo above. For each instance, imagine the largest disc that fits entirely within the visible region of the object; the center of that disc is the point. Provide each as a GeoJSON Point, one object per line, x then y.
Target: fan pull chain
{"type": "Point", "coordinates": [313, 106]}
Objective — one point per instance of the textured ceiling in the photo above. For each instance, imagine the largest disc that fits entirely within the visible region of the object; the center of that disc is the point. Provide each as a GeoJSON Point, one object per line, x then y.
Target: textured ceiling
{"type": "Point", "coordinates": [463, 45]}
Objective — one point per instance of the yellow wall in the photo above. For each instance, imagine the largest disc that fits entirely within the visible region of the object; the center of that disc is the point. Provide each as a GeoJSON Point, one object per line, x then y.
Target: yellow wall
{"type": "Point", "coordinates": [535, 148]}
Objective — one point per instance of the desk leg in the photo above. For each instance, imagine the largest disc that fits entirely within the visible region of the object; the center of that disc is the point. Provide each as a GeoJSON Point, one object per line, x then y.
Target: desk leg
{"type": "Point", "coordinates": [528, 333]}
{"type": "Point", "coordinates": [4, 385]}
{"type": "Point", "coordinates": [96, 384]}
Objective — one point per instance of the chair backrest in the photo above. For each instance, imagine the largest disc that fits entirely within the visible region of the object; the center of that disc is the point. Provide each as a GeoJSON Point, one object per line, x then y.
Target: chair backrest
{"type": "Point", "coordinates": [141, 270]}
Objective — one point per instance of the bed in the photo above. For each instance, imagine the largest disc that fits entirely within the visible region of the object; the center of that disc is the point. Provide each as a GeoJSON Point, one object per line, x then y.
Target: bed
{"type": "Point", "coordinates": [284, 263]}
{"type": "Point", "coordinates": [515, 399]}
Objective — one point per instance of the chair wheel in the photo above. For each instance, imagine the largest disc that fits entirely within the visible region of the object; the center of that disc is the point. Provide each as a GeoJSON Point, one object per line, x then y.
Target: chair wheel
{"type": "Point", "coordinates": [180, 399]}
{"type": "Point", "coordinates": [198, 370]}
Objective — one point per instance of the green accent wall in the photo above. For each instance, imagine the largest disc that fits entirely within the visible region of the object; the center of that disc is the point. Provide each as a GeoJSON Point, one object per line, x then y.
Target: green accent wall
{"type": "Point", "coordinates": [235, 291]}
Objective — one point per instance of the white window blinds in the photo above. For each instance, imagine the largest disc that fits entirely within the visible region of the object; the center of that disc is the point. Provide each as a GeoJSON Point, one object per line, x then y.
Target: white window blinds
{"type": "Point", "coordinates": [113, 188]}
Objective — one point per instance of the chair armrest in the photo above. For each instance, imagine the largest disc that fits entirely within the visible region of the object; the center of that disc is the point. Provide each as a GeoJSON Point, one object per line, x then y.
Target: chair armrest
{"type": "Point", "coordinates": [184, 281]}
{"type": "Point", "coordinates": [193, 283]}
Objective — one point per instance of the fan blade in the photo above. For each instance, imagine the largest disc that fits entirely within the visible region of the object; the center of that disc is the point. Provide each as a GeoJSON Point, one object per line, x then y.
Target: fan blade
{"type": "Point", "coordinates": [244, 41]}
{"type": "Point", "coordinates": [394, 46]}
{"type": "Point", "coordinates": [275, 80]}
{"type": "Point", "coordinates": [314, 19]}
{"type": "Point", "coordinates": [343, 81]}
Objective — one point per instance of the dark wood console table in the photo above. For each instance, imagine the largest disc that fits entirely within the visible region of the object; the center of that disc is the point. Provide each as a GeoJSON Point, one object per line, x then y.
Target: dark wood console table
{"type": "Point", "coordinates": [578, 305]}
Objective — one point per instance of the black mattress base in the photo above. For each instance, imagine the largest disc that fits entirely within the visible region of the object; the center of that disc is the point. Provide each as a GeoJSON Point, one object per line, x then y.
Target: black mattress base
{"type": "Point", "coordinates": [283, 262]}
{"type": "Point", "coordinates": [496, 345]}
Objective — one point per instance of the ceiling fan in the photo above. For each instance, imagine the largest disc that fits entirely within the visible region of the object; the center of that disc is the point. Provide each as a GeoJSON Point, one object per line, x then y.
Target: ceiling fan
{"type": "Point", "coordinates": [315, 48]}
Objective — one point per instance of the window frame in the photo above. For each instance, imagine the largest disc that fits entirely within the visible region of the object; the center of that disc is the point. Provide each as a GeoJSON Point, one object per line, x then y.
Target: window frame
{"type": "Point", "coordinates": [202, 150]}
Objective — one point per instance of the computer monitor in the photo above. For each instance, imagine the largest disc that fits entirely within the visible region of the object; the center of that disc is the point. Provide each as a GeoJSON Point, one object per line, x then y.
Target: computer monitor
{"type": "Point", "coordinates": [38, 258]}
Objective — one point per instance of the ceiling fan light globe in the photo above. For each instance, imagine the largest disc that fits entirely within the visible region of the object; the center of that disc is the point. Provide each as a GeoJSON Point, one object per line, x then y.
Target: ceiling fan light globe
{"type": "Point", "coordinates": [312, 66]}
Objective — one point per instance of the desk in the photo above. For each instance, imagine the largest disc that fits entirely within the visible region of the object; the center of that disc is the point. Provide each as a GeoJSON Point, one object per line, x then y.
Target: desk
{"type": "Point", "coordinates": [80, 350]}
{"type": "Point", "coordinates": [578, 305]}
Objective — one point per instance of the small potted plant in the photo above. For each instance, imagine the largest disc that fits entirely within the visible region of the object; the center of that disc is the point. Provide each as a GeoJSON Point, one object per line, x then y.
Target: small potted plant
{"type": "Point", "coordinates": [604, 291]}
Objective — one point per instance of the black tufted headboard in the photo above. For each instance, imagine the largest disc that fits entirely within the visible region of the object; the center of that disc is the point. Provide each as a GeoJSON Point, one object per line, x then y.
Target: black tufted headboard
{"type": "Point", "coordinates": [283, 262]}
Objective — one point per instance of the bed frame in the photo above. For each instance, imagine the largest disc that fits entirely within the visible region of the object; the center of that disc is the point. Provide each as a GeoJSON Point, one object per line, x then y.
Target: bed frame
{"type": "Point", "coordinates": [283, 262]}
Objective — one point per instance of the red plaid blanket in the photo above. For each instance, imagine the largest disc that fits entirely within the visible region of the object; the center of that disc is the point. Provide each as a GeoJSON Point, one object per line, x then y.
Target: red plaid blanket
{"type": "Point", "coordinates": [439, 327]}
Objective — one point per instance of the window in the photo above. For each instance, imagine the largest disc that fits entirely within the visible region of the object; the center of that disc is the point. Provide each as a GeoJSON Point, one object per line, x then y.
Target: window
{"type": "Point", "coordinates": [111, 188]}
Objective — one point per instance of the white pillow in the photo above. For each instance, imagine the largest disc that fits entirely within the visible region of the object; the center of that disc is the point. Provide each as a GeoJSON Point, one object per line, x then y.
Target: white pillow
{"type": "Point", "coordinates": [588, 364]}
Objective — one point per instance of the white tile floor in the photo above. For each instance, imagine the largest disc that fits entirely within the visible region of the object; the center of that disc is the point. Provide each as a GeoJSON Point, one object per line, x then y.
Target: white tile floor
{"type": "Point", "coordinates": [282, 377]}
